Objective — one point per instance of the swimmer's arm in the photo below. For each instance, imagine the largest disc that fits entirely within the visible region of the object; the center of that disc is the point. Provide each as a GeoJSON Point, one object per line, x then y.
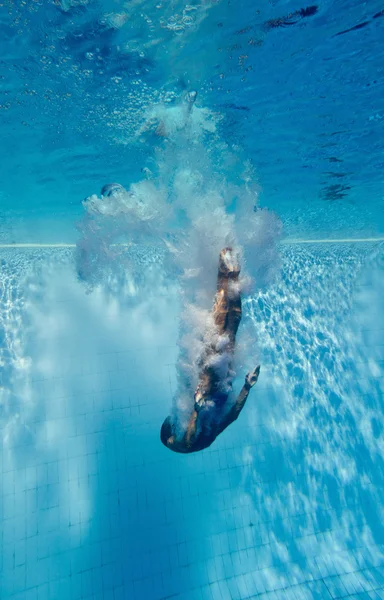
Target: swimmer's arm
{"type": "Point", "coordinates": [236, 409]}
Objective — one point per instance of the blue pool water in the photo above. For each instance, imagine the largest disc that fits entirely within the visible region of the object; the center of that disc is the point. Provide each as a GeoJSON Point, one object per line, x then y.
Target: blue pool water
{"type": "Point", "coordinates": [103, 298]}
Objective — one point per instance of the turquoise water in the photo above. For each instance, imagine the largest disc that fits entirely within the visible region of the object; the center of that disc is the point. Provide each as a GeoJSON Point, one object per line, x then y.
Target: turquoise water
{"type": "Point", "coordinates": [259, 126]}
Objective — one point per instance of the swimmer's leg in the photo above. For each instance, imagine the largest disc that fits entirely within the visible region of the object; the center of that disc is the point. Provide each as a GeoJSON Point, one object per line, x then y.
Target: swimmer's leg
{"type": "Point", "coordinates": [227, 307]}
{"type": "Point", "coordinates": [226, 316]}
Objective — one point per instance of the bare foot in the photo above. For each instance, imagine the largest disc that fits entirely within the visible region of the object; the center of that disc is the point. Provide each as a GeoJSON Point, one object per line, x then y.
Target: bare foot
{"type": "Point", "coordinates": [228, 263]}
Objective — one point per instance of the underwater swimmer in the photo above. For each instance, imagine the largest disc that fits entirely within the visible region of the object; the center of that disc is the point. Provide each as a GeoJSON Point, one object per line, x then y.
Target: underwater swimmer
{"type": "Point", "coordinates": [210, 415]}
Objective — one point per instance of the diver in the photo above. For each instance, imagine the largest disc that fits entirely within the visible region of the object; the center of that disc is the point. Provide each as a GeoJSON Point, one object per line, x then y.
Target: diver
{"type": "Point", "coordinates": [210, 414]}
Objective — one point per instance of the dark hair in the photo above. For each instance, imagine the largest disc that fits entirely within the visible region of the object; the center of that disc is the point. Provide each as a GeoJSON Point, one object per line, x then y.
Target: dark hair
{"type": "Point", "coordinates": [166, 430]}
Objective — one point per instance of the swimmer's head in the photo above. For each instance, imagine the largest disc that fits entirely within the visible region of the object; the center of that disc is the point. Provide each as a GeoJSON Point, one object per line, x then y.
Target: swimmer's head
{"type": "Point", "coordinates": [166, 434]}
{"type": "Point", "coordinates": [110, 189]}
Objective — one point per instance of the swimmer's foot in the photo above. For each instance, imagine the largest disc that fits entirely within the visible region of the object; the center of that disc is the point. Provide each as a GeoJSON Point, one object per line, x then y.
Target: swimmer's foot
{"type": "Point", "coordinates": [229, 264]}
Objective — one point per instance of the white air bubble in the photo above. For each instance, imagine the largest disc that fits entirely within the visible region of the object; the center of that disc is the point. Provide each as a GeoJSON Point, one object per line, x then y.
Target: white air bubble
{"type": "Point", "coordinates": [181, 213]}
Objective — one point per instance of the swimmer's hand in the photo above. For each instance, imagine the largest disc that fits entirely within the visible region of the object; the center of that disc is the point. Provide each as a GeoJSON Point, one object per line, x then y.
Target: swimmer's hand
{"type": "Point", "coordinates": [251, 378]}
